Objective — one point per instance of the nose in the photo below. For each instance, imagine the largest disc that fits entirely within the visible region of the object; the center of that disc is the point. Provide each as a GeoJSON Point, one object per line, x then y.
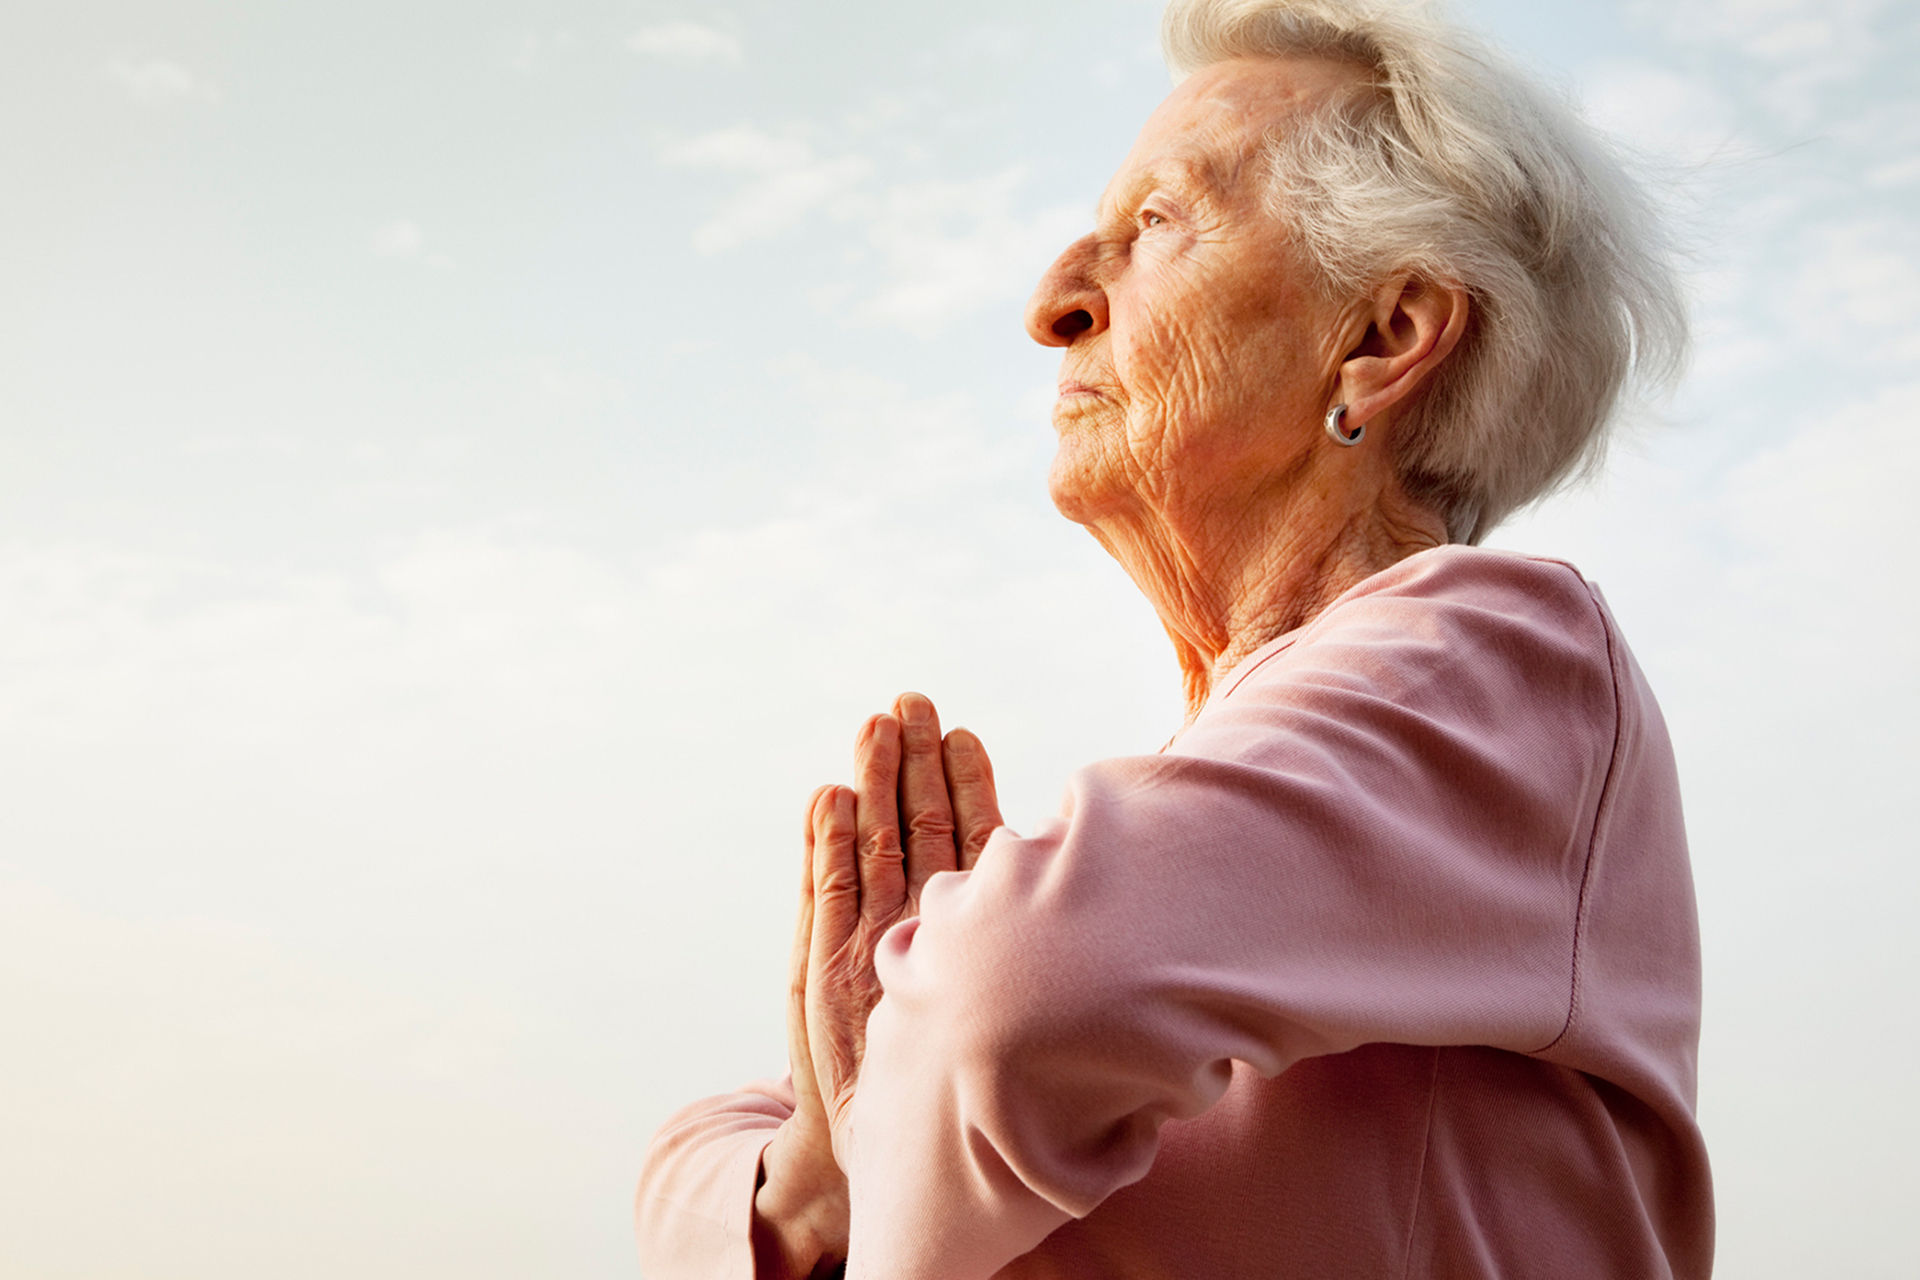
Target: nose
{"type": "Point", "coordinates": [1067, 305]}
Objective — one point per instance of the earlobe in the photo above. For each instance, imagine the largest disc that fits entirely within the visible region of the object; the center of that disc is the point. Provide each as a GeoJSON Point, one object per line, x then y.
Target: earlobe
{"type": "Point", "coordinates": [1337, 427]}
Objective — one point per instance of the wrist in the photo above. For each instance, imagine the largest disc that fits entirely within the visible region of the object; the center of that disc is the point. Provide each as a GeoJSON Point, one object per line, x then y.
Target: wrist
{"type": "Point", "coordinates": [799, 1207]}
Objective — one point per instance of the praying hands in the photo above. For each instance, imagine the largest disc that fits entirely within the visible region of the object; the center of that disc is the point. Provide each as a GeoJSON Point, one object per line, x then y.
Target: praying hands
{"type": "Point", "coordinates": [921, 804]}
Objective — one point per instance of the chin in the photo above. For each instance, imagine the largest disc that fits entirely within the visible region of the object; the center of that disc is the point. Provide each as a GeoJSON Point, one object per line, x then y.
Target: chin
{"type": "Point", "coordinates": [1078, 485]}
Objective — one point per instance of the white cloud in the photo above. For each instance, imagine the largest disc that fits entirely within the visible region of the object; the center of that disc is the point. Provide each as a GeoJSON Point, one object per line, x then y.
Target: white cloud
{"type": "Point", "coordinates": [1801, 49]}
{"type": "Point", "coordinates": [685, 42]}
{"type": "Point", "coordinates": [1831, 506]}
{"type": "Point", "coordinates": [401, 238]}
{"type": "Point", "coordinates": [1657, 111]}
{"type": "Point", "coordinates": [742, 148]}
{"type": "Point", "coordinates": [156, 81]}
{"type": "Point", "coordinates": [572, 388]}
{"type": "Point", "coordinates": [533, 50]}
{"type": "Point", "coordinates": [951, 247]}
{"type": "Point", "coordinates": [1768, 30]}
{"type": "Point", "coordinates": [943, 247]}
{"type": "Point", "coordinates": [787, 182]}
{"type": "Point", "coordinates": [1895, 173]}
{"type": "Point", "coordinates": [778, 201]}
{"type": "Point", "coordinates": [995, 42]}
{"type": "Point", "coordinates": [1854, 290]}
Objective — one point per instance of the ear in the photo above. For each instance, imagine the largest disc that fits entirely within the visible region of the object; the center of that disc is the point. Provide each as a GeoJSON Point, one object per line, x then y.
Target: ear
{"type": "Point", "coordinates": [1412, 327]}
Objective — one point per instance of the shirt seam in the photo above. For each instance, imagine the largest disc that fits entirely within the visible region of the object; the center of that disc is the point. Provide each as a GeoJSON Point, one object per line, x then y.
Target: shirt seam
{"type": "Point", "coordinates": [1420, 1178]}
{"type": "Point", "coordinates": [1602, 810]}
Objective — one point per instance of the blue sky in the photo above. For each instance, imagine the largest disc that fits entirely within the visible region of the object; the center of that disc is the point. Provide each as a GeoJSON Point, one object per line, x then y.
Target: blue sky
{"type": "Point", "coordinates": [465, 473]}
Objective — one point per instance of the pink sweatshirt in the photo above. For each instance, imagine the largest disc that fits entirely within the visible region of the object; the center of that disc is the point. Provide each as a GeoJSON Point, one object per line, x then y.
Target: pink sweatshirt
{"type": "Point", "coordinates": [1387, 966]}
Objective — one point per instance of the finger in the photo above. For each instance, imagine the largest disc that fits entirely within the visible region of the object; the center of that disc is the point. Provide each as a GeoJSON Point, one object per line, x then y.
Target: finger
{"type": "Point", "coordinates": [799, 1054]}
{"type": "Point", "coordinates": [836, 877]}
{"type": "Point", "coordinates": [840, 960]}
{"type": "Point", "coordinates": [813, 803]}
{"type": "Point", "coordinates": [803, 937]}
{"type": "Point", "coordinates": [876, 782]}
{"type": "Point", "coordinates": [926, 813]}
{"type": "Point", "coordinates": [976, 805]}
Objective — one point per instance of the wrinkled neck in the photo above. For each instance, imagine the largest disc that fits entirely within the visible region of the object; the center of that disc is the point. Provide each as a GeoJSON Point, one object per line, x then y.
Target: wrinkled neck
{"type": "Point", "coordinates": [1226, 583]}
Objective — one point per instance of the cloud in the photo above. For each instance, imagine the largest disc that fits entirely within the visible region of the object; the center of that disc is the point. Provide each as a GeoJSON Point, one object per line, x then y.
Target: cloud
{"type": "Point", "coordinates": [403, 238]}
{"type": "Point", "coordinates": [1829, 505]}
{"type": "Point", "coordinates": [741, 149]}
{"type": "Point", "coordinates": [778, 201]}
{"type": "Point", "coordinates": [951, 247]}
{"type": "Point", "coordinates": [1801, 49]}
{"type": "Point", "coordinates": [533, 50]}
{"type": "Point", "coordinates": [485, 761]}
{"type": "Point", "coordinates": [400, 238]}
{"type": "Point", "coordinates": [995, 42]}
{"type": "Point", "coordinates": [1658, 111]}
{"type": "Point", "coordinates": [1895, 173]}
{"type": "Point", "coordinates": [685, 42]}
{"type": "Point", "coordinates": [156, 81]}
{"type": "Point", "coordinates": [1855, 288]}
{"type": "Point", "coordinates": [1778, 31]}
{"type": "Point", "coordinates": [943, 246]}
{"type": "Point", "coordinates": [787, 182]}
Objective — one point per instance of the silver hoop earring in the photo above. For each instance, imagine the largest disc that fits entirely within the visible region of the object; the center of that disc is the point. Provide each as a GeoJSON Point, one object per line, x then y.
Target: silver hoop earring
{"type": "Point", "coordinates": [1336, 416]}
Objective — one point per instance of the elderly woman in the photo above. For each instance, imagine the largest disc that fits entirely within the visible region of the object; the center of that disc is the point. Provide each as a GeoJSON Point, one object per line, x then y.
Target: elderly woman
{"type": "Point", "coordinates": [1387, 964]}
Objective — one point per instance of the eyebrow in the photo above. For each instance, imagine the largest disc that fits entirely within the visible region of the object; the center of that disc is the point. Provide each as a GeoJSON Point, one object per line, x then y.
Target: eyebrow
{"type": "Point", "coordinates": [1201, 177]}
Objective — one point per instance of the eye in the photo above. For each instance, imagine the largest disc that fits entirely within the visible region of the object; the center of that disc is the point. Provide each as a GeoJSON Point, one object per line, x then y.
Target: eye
{"type": "Point", "coordinates": [1148, 218]}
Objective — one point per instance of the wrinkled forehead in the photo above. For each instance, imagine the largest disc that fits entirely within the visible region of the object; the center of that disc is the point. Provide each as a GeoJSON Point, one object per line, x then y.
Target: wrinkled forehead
{"type": "Point", "coordinates": [1213, 127]}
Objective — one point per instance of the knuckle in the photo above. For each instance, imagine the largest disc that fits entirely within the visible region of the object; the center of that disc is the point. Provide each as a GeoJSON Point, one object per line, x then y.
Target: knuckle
{"type": "Point", "coordinates": [880, 846]}
{"type": "Point", "coordinates": [838, 882]}
{"type": "Point", "coordinates": [963, 768]}
{"type": "Point", "coordinates": [930, 826]}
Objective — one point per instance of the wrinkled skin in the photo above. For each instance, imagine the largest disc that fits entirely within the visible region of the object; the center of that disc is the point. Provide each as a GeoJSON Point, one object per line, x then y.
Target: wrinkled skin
{"type": "Point", "coordinates": [1199, 360]}
{"type": "Point", "coordinates": [1192, 329]}
{"type": "Point", "coordinates": [921, 804]}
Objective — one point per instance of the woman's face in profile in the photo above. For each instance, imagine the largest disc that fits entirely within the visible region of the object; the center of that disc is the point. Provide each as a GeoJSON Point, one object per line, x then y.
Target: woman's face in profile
{"type": "Point", "coordinates": [1195, 340]}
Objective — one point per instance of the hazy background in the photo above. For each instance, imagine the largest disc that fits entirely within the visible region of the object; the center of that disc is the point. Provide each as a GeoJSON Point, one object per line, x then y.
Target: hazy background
{"type": "Point", "coordinates": [466, 469]}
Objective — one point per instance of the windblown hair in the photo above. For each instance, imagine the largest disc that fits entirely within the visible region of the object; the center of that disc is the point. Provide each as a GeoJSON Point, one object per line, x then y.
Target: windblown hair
{"type": "Point", "coordinates": [1449, 165]}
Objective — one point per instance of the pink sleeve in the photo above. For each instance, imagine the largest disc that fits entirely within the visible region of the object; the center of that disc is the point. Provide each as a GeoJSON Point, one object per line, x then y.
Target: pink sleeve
{"type": "Point", "coordinates": [694, 1210]}
{"type": "Point", "coordinates": [1380, 835]}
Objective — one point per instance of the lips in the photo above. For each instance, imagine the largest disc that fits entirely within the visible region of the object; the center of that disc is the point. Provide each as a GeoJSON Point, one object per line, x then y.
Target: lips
{"type": "Point", "coordinates": [1079, 385]}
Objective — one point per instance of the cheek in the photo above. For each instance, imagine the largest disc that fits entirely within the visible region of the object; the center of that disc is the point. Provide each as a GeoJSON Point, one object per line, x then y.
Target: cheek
{"type": "Point", "coordinates": [1153, 348]}
{"type": "Point", "coordinates": [1186, 370]}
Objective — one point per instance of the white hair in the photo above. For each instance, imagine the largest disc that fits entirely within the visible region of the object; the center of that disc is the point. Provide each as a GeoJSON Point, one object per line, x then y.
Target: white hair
{"type": "Point", "coordinates": [1448, 164]}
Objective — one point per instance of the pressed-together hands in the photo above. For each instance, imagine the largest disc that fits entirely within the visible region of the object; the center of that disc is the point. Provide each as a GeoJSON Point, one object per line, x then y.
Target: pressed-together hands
{"type": "Point", "coordinates": [920, 804]}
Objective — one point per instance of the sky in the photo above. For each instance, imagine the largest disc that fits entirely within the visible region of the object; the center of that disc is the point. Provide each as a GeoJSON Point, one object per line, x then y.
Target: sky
{"type": "Point", "coordinates": [466, 471]}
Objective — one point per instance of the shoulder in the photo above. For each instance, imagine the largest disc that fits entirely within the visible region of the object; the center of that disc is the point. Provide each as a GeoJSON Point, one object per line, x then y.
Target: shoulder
{"type": "Point", "coordinates": [1458, 644]}
{"type": "Point", "coordinates": [1443, 605]}
{"type": "Point", "coordinates": [1474, 586]}
{"type": "Point", "coordinates": [1509, 580]}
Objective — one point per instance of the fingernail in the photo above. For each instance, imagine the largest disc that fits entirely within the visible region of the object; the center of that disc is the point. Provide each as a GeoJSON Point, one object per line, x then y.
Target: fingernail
{"type": "Point", "coordinates": [915, 710]}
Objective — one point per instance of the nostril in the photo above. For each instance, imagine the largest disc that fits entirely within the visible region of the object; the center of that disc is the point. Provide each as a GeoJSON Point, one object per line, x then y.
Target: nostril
{"type": "Point", "coordinates": [1073, 324]}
